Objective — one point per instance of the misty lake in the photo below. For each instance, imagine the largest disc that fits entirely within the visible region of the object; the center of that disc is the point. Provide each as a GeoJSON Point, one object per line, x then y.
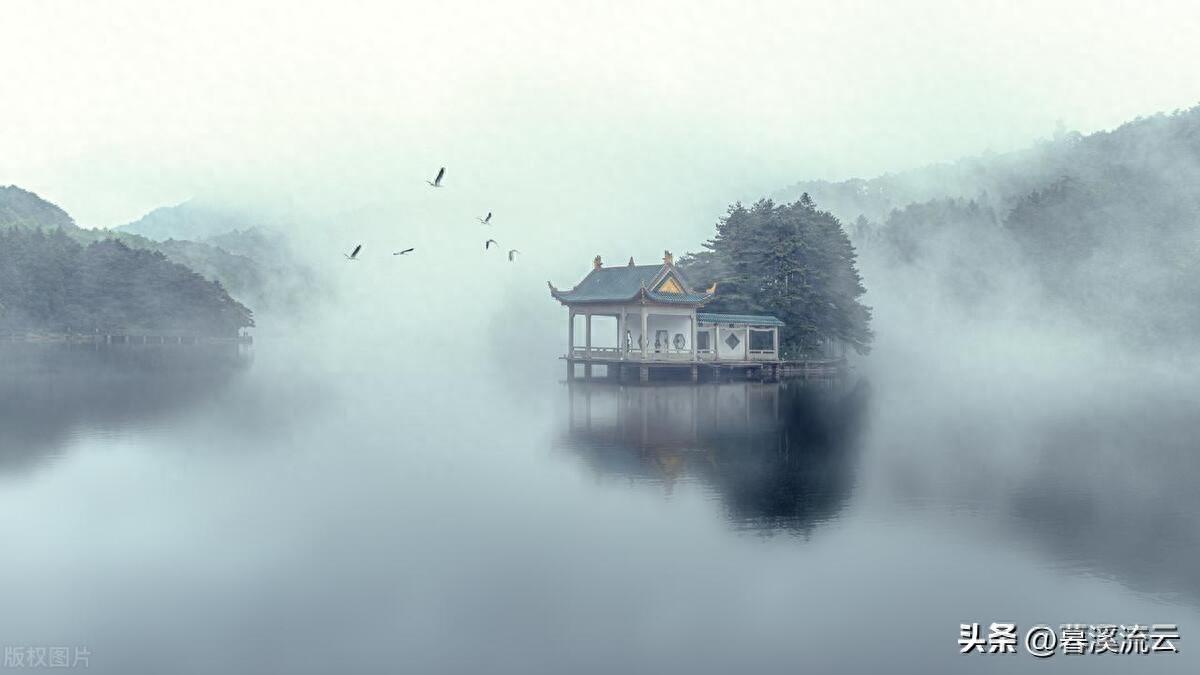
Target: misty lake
{"type": "Point", "coordinates": [278, 511]}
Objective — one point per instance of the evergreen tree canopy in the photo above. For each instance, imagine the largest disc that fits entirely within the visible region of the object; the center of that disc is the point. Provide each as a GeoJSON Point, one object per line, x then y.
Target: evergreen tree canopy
{"type": "Point", "coordinates": [50, 282]}
{"type": "Point", "coordinates": [792, 261]}
{"type": "Point", "coordinates": [253, 263]}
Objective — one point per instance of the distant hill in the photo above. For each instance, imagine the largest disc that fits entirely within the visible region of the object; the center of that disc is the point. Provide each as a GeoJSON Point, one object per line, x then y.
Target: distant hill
{"type": "Point", "coordinates": [1162, 148]}
{"type": "Point", "coordinates": [253, 264]}
{"type": "Point", "coordinates": [49, 282]}
{"type": "Point", "coordinates": [189, 232]}
{"type": "Point", "coordinates": [1105, 226]}
{"type": "Point", "coordinates": [189, 220]}
{"type": "Point", "coordinates": [22, 208]}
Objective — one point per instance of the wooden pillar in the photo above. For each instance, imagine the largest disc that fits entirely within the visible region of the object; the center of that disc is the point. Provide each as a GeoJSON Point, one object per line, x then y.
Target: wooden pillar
{"type": "Point", "coordinates": [570, 333]}
{"type": "Point", "coordinates": [747, 343]}
{"type": "Point", "coordinates": [570, 369]}
{"type": "Point", "coordinates": [644, 340]}
{"type": "Point", "coordinates": [775, 340]}
{"type": "Point", "coordinates": [587, 337]}
{"type": "Point", "coordinates": [587, 372]}
{"type": "Point", "coordinates": [692, 339]}
{"type": "Point", "coordinates": [695, 373]}
{"type": "Point", "coordinates": [621, 334]}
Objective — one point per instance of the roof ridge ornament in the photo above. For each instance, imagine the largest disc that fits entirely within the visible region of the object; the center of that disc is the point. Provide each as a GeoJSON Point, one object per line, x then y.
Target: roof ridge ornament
{"type": "Point", "coordinates": [597, 263]}
{"type": "Point", "coordinates": [712, 289]}
{"type": "Point", "coordinates": [631, 261]}
{"type": "Point", "coordinates": [668, 259]}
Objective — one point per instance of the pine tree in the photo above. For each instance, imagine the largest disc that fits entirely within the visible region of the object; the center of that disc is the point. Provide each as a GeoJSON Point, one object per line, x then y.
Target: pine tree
{"type": "Point", "coordinates": [792, 261]}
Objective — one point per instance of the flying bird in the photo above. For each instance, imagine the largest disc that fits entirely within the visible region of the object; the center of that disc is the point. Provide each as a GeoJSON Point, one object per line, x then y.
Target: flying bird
{"type": "Point", "coordinates": [512, 253]}
{"type": "Point", "coordinates": [486, 220]}
{"type": "Point", "coordinates": [437, 182]}
{"type": "Point", "coordinates": [488, 244]}
{"type": "Point", "coordinates": [354, 254]}
{"type": "Point", "coordinates": [407, 250]}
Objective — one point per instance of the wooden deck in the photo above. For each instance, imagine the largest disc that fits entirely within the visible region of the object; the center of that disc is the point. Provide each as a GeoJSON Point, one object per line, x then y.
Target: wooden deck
{"type": "Point", "coordinates": [662, 367]}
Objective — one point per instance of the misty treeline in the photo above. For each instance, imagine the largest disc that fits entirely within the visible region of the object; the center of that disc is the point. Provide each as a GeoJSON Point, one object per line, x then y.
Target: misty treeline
{"type": "Point", "coordinates": [1103, 228]}
{"type": "Point", "coordinates": [248, 253]}
{"type": "Point", "coordinates": [256, 264]}
{"type": "Point", "coordinates": [51, 283]}
{"type": "Point", "coordinates": [792, 261]}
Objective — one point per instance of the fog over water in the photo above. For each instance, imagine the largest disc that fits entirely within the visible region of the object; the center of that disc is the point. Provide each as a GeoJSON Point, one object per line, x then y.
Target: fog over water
{"type": "Point", "coordinates": [365, 506]}
{"type": "Point", "coordinates": [397, 478]}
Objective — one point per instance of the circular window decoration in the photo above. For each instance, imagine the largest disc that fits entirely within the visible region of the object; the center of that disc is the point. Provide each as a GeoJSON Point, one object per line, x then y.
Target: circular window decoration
{"type": "Point", "coordinates": [679, 341]}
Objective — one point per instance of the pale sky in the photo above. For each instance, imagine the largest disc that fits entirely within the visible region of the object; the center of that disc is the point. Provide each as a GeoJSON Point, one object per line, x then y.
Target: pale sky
{"type": "Point", "coordinates": [574, 115]}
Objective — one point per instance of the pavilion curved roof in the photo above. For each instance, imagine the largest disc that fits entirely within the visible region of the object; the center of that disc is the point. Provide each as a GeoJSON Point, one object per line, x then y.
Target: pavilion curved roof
{"type": "Point", "coordinates": [629, 283]}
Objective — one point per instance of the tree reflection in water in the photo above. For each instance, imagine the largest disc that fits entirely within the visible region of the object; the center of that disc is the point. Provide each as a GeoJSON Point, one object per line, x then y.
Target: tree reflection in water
{"type": "Point", "coordinates": [48, 392]}
{"type": "Point", "coordinates": [780, 457]}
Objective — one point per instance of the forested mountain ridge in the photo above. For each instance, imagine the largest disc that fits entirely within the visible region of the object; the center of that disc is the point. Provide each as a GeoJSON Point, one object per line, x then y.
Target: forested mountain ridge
{"type": "Point", "coordinates": [22, 208]}
{"type": "Point", "coordinates": [254, 265]}
{"type": "Point", "coordinates": [1162, 147]}
{"type": "Point", "coordinates": [191, 220]}
{"type": "Point", "coordinates": [49, 282]}
{"type": "Point", "coordinates": [1103, 228]}
{"type": "Point", "coordinates": [278, 279]}
{"type": "Point", "coordinates": [59, 278]}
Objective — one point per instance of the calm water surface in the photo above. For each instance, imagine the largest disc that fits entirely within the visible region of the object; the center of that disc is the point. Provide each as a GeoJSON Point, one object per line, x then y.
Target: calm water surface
{"type": "Point", "coordinates": [288, 512]}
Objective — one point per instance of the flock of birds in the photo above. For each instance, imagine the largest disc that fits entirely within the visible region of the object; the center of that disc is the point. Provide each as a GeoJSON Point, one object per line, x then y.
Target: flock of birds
{"type": "Point", "coordinates": [486, 220]}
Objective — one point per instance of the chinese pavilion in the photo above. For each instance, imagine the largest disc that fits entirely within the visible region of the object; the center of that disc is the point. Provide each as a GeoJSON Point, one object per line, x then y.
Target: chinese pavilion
{"type": "Point", "coordinates": [658, 324]}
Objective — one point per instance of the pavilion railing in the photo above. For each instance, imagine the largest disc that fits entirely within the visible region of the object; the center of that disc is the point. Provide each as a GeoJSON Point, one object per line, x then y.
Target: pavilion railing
{"type": "Point", "coordinates": [710, 355]}
{"type": "Point", "coordinates": [598, 352]}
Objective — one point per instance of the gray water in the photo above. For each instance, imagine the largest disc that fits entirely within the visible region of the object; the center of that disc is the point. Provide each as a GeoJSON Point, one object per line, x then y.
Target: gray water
{"type": "Point", "coordinates": [321, 507]}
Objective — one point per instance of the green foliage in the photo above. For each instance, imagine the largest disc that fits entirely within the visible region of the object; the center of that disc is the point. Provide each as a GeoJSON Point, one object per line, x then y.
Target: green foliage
{"type": "Point", "coordinates": [1103, 229]}
{"type": "Point", "coordinates": [52, 283]}
{"type": "Point", "coordinates": [22, 208]}
{"type": "Point", "coordinates": [792, 261]}
{"type": "Point", "coordinates": [245, 250]}
{"type": "Point", "coordinates": [254, 263]}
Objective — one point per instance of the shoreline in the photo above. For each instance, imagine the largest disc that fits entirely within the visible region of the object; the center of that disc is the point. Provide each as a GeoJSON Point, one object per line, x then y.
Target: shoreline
{"type": "Point", "coordinates": [147, 338]}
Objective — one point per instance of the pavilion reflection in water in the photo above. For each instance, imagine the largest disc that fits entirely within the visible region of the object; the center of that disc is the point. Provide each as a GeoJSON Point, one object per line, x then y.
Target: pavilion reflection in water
{"type": "Point", "coordinates": [778, 456]}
